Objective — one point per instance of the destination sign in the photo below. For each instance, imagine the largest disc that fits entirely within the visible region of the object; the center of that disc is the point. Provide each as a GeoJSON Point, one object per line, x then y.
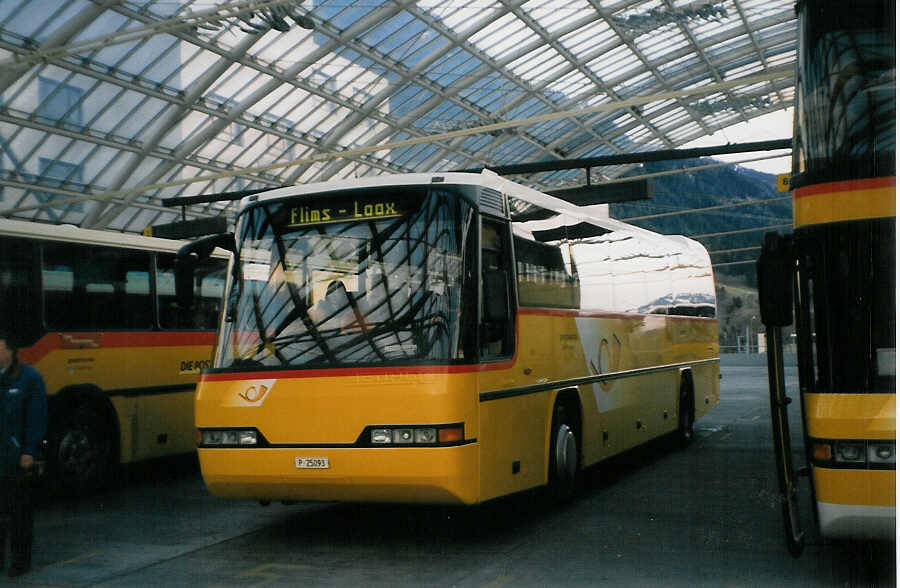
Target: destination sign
{"type": "Point", "coordinates": [345, 210]}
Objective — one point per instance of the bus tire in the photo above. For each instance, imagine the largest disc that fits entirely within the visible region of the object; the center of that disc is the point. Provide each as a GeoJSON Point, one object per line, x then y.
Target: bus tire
{"type": "Point", "coordinates": [686, 410]}
{"type": "Point", "coordinates": [563, 459]}
{"type": "Point", "coordinates": [83, 452]}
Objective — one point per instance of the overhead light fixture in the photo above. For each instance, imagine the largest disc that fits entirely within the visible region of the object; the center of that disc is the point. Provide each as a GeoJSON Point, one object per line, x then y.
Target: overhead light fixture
{"type": "Point", "coordinates": [650, 20]}
{"type": "Point", "coordinates": [444, 126]}
{"type": "Point", "coordinates": [263, 20]}
{"type": "Point", "coordinates": [708, 107]}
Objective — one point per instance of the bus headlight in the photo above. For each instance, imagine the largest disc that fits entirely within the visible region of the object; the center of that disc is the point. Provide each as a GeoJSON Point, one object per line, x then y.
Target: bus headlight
{"type": "Point", "coordinates": [407, 435]}
{"type": "Point", "coordinates": [403, 436]}
{"type": "Point", "coordinates": [857, 454]}
{"type": "Point", "coordinates": [882, 453]}
{"type": "Point", "coordinates": [850, 452]}
{"type": "Point", "coordinates": [228, 437]}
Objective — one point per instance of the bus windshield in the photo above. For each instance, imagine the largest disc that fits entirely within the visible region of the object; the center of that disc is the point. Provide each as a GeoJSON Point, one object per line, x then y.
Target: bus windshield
{"type": "Point", "coordinates": [361, 277]}
{"type": "Point", "coordinates": [845, 114]}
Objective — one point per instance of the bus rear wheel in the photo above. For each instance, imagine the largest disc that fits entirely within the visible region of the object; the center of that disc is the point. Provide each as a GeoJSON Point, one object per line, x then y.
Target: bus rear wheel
{"type": "Point", "coordinates": [83, 452]}
{"type": "Point", "coordinates": [563, 462]}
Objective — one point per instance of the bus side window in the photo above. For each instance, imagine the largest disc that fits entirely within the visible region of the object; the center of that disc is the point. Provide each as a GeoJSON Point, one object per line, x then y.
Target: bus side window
{"type": "Point", "coordinates": [96, 287]}
{"type": "Point", "coordinates": [496, 331]}
{"type": "Point", "coordinates": [19, 308]}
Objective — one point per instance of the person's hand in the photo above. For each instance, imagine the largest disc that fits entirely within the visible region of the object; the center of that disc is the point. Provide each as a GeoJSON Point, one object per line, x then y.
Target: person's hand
{"type": "Point", "coordinates": [26, 461]}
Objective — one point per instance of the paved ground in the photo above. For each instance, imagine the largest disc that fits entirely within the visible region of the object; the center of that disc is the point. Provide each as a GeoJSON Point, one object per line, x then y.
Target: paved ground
{"type": "Point", "coordinates": [704, 516]}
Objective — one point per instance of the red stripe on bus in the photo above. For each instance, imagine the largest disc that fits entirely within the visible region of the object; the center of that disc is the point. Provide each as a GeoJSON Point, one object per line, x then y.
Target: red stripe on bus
{"type": "Point", "coordinates": [606, 314]}
{"type": "Point", "coordinates": [845, 186]}
{"type": "Point", "coordinates": [356, 371]}
{"type": "Point", "coordinates": [93, 340]}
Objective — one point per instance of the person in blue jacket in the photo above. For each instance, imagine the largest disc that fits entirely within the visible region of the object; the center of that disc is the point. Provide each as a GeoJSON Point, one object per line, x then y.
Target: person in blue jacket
{"type": "Point", "coordinates": [23, 423]}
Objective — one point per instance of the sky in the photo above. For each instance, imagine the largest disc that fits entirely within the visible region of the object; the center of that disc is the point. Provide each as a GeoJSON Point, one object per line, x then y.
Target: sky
{"type": "Point", "coordinates": [769, 127]}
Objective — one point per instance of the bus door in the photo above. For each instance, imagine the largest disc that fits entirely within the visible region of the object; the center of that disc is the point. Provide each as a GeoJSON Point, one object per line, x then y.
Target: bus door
{"type": "Point", "coordinates": [497, 328]}
{"type": "Point", "coordinates": [509, 460]}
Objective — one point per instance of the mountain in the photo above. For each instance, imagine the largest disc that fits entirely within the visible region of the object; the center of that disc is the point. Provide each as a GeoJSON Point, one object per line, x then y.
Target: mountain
{"type": "Point", "coordinates": [747, 201]}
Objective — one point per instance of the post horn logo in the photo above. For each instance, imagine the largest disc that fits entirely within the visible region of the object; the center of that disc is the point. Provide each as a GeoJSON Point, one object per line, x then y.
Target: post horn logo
{"type": "Point", "coordinates": [254, 394]}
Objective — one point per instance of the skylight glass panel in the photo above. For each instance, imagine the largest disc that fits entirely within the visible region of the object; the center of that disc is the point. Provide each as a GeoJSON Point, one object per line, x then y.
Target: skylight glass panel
{"type": "Point", "coordinates": [137, 58]}
{"type": "Point", "coordinates": [491, 92]}
{"type": "Point", "coordinates": [658, 46]}
{"type": "Point", "coordinates": [612, 62]}
{"type": "Point", "coordinates": [281, 49]}
{"type": "Point", "coordinates": [502, 37]}
{"type": "Point", "coordinates": [554, 15]}
{"type": "Point", "coordinates": [475, 143]}
{"type": "Point", "coordinates": [406, 99]}
{"type": "Point", "coordinates": [275, 105]}
{"type": "Point", "coordinates": [106, 23]}
{"type": "Point", "coordinates": [439, 119]}
{"type": "Point", "coordinates": [534, 66]}
{"type": "Point", "coordinates": [785, 30]}
{"type": "Point", "coordinates": [633, 85]}
{"type": "Point", "coordinates": [705, 31]}
{"type": "Point", "coordinates": [757, 9]}
{"type": "Point", "coordinates": [674, 68]}
{"type": "Point", "coordinates": [403, 38]}
{"type": "Point", "coordinates": [570, 84]}
{"type": "Point", "coordinates": [652, 109]}
{"type": "Point", "coordinates": [743, 71]}
{"type": "Point", "coordinates": [782, 59]}
{"type": "Point", "coordinates": [552, 70]}
{"type": "Point", "coordinates": [526, 109]}
{"type": "Point", "coordinates": [342, 14]}
{"type": "Point", "coordinates": [668, 117]}
{"type": "Point", "coordinates": [238, 83]}
{"type": "Point", "coordinates": [588, 37]}
{"type": "Point", "coordinates": [130, 114]}
{"type": "Point", "coordinates": [454, 14]}
{"type": "Point", "coordinates": [452, 68]}
{"type": "Point", "coordinates": [685, 132]}
{"type": "Point", "coordinates": [166, 67]}
{"type": "Point", "coordinates": [724, 50]}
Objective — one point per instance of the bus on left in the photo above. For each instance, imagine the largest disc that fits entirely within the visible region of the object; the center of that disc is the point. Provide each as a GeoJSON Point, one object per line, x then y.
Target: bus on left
{"type": "Point", "coordinates": [96, 313]}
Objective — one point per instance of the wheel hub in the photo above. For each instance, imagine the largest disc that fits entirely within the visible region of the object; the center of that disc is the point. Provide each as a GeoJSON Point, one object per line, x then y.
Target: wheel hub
{"type": "Point", "coordinates": [566, 453]}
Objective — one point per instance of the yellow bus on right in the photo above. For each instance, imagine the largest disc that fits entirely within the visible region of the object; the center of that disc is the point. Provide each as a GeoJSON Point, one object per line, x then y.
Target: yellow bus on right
{"type": "Point", "coordinates": [838, 268]}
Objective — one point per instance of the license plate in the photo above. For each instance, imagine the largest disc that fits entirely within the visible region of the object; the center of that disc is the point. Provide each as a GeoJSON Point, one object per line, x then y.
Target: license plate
{"type": "Point", "coordinates": [312, 463]}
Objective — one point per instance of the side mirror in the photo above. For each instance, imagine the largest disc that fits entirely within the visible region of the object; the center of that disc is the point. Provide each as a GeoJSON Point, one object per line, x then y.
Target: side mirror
{"type": "Point", "coordinates": [186, 263]}
{"type": "Point", "coordinates": [774, 274]}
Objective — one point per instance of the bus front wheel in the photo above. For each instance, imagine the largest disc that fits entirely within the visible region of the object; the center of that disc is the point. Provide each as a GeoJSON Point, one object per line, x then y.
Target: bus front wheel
{"type": "Point", "coordinates": [563, 469]}
{"type": "Point", "coordinates": [83, 452]}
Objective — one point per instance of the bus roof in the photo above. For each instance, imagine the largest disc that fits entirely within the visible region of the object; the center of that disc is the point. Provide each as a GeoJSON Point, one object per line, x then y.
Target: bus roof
{"type": "Point", "coordinates": [73, 234]}
{"type": "Point", "coordinates": [487, 179]}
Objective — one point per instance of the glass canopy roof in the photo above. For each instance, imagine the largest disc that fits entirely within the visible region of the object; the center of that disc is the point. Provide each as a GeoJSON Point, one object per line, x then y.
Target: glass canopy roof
{"type": "Point", "coordinates": [108, 107]}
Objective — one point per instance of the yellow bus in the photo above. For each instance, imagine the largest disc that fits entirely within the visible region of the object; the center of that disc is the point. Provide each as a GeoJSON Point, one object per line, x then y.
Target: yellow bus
{"type": "Point", "coordinates": [446, 338]}
{"type": "Point", "coordinates": [95, 312]}
{"type": "Point", "coordinates": [839, 268]}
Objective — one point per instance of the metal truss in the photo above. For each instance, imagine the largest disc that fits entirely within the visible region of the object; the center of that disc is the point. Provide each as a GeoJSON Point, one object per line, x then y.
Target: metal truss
{"type": "Point", "coordinates": [109, 106]}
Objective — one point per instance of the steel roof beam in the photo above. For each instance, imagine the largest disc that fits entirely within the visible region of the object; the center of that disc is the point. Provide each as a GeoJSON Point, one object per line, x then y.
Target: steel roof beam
{"type": "Point", "coordinates": [170, 119]}
{"type": "Point", "coordinates": [214, 129]}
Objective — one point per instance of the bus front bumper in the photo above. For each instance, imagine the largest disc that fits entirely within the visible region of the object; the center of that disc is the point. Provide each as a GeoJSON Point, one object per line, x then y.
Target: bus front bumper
{"type": "Point", "coordinates": [858, 504]}
{"type": "Point", "coordinates": [445, 475]}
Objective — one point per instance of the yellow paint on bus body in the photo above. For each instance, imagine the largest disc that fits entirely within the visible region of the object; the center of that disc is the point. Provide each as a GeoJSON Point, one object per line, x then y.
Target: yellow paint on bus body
{"type": "Point", "coordinates": [323, 413]}
{"type": "Point", "coordinates": [845, 201]}
{"type": "Point", "coordinates": [851, 416]}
